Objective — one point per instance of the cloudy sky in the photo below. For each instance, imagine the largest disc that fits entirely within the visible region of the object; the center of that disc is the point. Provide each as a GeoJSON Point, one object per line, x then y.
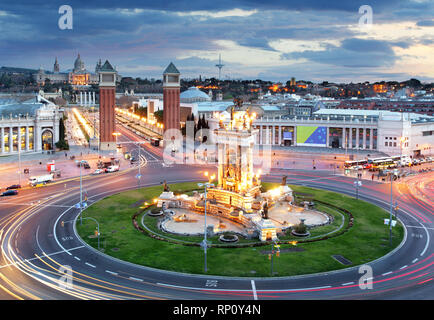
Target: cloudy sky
{"type": "Point", "coordinates": [272, 40]}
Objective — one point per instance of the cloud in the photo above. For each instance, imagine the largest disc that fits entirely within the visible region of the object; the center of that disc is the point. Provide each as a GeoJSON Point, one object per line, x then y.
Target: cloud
{"type": "Point", "coordinates": [192, 33]}
{"type": "Point", "coordinates": [425, 23]}
{"type": "Point", "coordinates": [352, 53]}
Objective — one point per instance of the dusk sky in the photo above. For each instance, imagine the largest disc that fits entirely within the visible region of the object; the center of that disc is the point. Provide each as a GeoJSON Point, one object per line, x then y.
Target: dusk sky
{"type": "Point", "coordinates": [270, 40]}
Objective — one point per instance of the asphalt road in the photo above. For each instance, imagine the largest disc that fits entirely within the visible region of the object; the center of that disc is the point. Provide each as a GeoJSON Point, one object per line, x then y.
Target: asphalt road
{"type": "Point", "coordinates": [35, 247]}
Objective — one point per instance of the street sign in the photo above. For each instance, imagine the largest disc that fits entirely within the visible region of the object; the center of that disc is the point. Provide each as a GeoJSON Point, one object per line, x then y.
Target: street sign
{"type": "Point", "coordinates": [138, 176]}
{"type": "Point", "coordinates": [204, 244]}
{"type": "Point", "coordinates": [83, 205]}
{"type": "Point", "coordinates": [387, 222]}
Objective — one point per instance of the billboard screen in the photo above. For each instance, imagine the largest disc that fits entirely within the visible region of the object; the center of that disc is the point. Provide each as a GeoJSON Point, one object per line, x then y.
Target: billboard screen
{"type": "Point", "coordinates": [312, 136]}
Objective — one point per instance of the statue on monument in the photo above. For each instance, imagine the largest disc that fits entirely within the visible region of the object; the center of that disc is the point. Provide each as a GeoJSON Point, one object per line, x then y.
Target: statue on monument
{"type": "Point", "coordinates": [265, 210]}
{"type": "Point", "coordinates": [165, 187]}
{"type": "Point", "coordinates": [284, 180]}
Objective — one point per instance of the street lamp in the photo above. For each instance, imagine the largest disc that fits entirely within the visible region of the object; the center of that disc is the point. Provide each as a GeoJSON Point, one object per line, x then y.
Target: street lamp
{"type": "Point", "coordinates": [357, 183]}
{"type": "Point", "coordinates": [81, 192]}
{"type": "Point", "coordinates": [204, 243]}
{"type": "Point", "coordinates": [97, 227]}
{"type": "Point", "coordinates": [392, 175]}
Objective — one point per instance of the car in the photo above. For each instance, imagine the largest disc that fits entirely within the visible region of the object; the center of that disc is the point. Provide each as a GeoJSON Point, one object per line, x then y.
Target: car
{"type": "Point", "coordinates": [10, 193]}
{"type": "Point", "coordinates": [14, 186]}
{"type": "Point", "coordinates": [98, 171]}
{"type": "Point", "coordinates": [112, 169]}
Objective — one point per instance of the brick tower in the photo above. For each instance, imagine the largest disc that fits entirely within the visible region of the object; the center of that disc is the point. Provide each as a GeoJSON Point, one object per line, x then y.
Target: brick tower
{"type": "Point", "coordinates": [107, 95]}
{"type": "Point", "coordinates": [171, 101]}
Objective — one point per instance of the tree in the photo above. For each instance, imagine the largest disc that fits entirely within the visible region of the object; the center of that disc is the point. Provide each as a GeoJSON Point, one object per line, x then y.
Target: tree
{"type": "Point", "coordinates": [61, 130]}
{"type": "Point", "coordinates": [159, 116]}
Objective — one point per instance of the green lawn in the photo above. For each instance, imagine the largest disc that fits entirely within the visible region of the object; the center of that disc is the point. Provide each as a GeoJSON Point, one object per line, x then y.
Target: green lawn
{"type": "Point", "coordinates": [365, 241]}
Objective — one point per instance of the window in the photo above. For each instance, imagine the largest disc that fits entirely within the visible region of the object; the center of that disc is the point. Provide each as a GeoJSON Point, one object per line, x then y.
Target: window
{"type": "Point", "coordinates": [386, 144]}
{"type": "Point", "coordinates": [394, 144]}
{"type": "Point", "coordinates": [107, 77]}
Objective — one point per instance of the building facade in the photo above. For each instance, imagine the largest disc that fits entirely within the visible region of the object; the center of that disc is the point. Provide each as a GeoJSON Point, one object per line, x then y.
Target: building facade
{"type": "Point", "coordinates": [78, 76]}
{"type": "Point", "coordinates": [35, 131]}
{"type": "Point", "coordinates": [382, 131]}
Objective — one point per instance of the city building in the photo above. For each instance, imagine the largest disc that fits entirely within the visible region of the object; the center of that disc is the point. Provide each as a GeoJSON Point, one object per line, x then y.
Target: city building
{"type": "Point", "coordinates": [390, 132]}
{"type": "Point", "coordinates": [194, 94]}
{"type": "Point", "coordinates": [31, 125]}
{"type": "Point", "coordinates": [78, 76]}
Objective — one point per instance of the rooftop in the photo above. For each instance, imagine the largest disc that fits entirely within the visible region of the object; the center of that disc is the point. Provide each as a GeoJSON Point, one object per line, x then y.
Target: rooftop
{"type": "Point", "coordinates": [171, 69]}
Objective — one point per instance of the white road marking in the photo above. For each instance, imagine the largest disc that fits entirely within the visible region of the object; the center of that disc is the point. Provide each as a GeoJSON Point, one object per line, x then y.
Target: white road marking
{"type": "Point", "coordinates": [77, 258]}
{"type": "Point", "coordinates": [255, 296]}
{"type": "Point", "coordinates": [112, 273]}
{"type": "Point", "coordinates": [385, 274]}
{"type": "Point", "coordinates": [90, 265]}
{"type": "Point", "coordinates": [419, 227]}
{"type": "Point", "coordinates": [31, 259]}
{"type": "Point", "coordinates": [403, 267]}
{"type": "Point", "coordinates": [241, 290]}
{"type": "Point", "coordinates": [136, 279]}
{"type": "Point", "coordinates": [348, 283]}
{"type": "Point", "coordinates": [415, 260]}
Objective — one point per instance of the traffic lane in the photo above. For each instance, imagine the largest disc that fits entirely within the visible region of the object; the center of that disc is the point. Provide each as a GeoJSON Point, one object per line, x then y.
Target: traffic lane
{"type": "Point", "coordinates": [53, 248]}
{"type": "Point", "coordinates": [399, 259]}
{"type": "Point", "coordinates": [155, 153]}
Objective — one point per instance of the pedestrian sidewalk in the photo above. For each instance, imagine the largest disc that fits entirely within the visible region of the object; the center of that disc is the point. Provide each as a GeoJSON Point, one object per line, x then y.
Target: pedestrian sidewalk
{"type": "Point", "coordinates": [36, 163]}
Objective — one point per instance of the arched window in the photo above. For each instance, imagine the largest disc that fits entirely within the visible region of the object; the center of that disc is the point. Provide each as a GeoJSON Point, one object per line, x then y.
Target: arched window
{"type": "Point", "coordinates": [47, 140]}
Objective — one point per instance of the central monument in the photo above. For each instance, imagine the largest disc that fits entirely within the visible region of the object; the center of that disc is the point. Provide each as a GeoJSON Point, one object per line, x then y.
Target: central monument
{"type": "Point", "coordinates": [237, 184]}
{"type": "Point", "coordinates": [237, 196]}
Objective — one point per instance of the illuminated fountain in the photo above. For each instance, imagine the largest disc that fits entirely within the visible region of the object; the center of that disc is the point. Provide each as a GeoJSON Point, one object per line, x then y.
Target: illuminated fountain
{"type": "Point", "coordinates": [237, 197]}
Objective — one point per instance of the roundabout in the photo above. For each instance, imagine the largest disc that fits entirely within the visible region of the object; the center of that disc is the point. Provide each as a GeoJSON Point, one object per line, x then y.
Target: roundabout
{"type": "Point", "coordinates": [40, 237]}
{"type": "Point", "coordinates": [136, 239]}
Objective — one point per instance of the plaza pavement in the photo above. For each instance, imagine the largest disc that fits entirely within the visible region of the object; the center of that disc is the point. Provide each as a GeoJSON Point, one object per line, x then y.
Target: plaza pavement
{"type": "Point", "coordinates": [37, 164]}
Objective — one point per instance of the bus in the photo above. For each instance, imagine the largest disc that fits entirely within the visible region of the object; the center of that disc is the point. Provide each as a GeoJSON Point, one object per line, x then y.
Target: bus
{"type": "Point", "coordinates": [383, 164]}
{"type": "Point", "coordinates": [354, 163]}
{"type": "Point", "coordinates": [371, 161]}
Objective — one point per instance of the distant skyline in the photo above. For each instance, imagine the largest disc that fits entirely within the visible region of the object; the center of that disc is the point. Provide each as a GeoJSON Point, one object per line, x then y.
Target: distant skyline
{"type": "Point", "coordinates": [310, 40]}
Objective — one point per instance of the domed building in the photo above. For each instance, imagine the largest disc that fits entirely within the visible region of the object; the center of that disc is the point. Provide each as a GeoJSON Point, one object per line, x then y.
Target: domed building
{"type": "Point", "coordinates": [78, 76]}
{"type": "Point", "coordinates": [79, 65]}
{"type": "Point", "coordinates": [193, 94]}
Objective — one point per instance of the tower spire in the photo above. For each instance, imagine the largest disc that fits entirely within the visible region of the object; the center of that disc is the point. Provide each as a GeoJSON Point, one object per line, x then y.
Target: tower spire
{"type": "Point", "coordinates": [220, 65]}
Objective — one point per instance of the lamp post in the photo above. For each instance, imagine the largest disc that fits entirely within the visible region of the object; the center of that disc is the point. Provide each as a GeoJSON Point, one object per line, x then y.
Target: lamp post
{"type": "Point", "coordinates": [19, 162]}
{"type": "Point", "coordinates": [392, 174]}
{"type": "Point", "coordinates": [97, 224]}
{"type": "Point", "coordinates": [357, 182]}
{"type": "Point", "coordinates": [139, 175]}
{"type": "Point", "coordinates": [204, 243]}
{"type": "Point", "coordinates": [81, 193]}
